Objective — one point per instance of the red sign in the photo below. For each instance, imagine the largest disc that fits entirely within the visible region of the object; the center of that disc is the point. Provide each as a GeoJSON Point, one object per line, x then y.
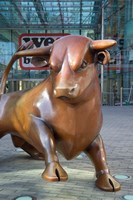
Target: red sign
{"type": "Point", "coordinates": [39, 40]}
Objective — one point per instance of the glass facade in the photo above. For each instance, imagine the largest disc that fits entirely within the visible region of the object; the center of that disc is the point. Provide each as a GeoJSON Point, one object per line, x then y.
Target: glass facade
{"type": "Point", "coordinates": [118, 23]}
{"type": "Point", "coordinates": [81, 17]}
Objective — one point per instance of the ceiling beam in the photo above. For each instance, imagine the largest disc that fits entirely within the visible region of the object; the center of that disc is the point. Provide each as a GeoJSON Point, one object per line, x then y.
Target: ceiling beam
{"type": "Point", "coordinates": [61, 15]}
{"type": "Point", "coordinates": [19, 12]}
{"type": "Point", "coordinates": [97, 6]}
{"type": "Point", "coordinates": [40, 11]}
{"type": "Point", "coordinates": [80, 15]}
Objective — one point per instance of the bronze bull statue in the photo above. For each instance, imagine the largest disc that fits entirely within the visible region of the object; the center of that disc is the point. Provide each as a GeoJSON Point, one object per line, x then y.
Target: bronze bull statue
{"type": "Point", "coordinates": [63, 112]}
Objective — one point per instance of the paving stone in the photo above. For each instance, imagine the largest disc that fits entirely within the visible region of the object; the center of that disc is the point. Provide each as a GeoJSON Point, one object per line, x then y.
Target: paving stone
{"type": "Point", "coordinates": [21, 175]}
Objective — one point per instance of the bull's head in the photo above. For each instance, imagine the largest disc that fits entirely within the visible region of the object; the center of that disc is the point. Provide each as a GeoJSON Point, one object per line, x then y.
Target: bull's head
{"type": "Point", "coordinates": [72, 62]}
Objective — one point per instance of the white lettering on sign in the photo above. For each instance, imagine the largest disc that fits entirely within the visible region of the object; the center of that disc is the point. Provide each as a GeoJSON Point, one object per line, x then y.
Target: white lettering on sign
{"type": "Point", "coordinates": [39, 40]}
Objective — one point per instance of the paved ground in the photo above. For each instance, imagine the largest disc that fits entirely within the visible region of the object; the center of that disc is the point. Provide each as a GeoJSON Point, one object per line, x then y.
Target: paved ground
{"type": "Point", "coordinates": [20, 175]}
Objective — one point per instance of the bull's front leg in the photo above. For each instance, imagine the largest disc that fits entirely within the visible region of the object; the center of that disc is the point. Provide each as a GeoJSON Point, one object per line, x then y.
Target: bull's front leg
{"type": "Point", "coordinates": [96, 153]}
{"type": "Point", "coordinates": [42, 138]}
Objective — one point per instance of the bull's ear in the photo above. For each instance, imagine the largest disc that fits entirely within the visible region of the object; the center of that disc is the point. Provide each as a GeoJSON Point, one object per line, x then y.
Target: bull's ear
{"type": "Point", "coordinates": [40, 61]}
{"type": "Point", "coordinates": [103, 57]}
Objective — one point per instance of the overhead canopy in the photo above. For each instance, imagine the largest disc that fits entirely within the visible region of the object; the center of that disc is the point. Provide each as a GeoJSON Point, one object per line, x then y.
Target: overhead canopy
{"type": "Point", "coordinates": [50, 14]}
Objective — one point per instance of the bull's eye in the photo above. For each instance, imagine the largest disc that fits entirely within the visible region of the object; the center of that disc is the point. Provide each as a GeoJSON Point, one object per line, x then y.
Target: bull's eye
{"type": "Point", "coordinates": [83, 66]}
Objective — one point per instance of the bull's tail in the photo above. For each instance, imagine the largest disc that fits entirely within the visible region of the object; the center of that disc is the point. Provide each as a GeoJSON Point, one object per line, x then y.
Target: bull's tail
{"type": "Point", "coordinates": [24, 50]}
{"type": "Point", "coordinates": [28, 45]}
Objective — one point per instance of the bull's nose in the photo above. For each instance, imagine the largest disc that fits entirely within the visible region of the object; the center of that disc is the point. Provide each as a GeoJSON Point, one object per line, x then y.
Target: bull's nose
{"type": "Point", "coordinates": [69, 92]}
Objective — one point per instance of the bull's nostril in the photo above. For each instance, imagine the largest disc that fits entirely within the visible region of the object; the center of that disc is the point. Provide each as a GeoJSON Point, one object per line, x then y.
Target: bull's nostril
{"type": "Point", "coordinates": [72, 90]}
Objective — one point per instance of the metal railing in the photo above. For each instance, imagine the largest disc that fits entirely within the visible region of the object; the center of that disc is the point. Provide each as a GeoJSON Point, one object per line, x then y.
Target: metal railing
{"type": "Point", "coordinates": [125, 96]}
{"type": "Point", "coordinates": [21, 84]}
{"type": "Point", "coordinates": [108, 98]}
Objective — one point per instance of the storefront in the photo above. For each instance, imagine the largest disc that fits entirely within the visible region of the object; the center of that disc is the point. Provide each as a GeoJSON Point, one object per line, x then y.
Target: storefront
{"type": "Point", "coordinates": [73, 17]}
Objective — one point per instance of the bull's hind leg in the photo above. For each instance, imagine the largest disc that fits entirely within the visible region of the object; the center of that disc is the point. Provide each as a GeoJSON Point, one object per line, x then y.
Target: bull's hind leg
{"type": "Point", "coordinates": [42, 138]}
{"type": "Point", "coordinates": [20, 143]}
{"type": "Point", "coordinates": [97, 154]}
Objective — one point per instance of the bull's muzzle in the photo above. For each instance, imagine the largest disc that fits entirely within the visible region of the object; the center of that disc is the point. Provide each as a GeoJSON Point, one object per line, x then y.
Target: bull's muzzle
{"type": "Point", "coordinates": [66, 92]}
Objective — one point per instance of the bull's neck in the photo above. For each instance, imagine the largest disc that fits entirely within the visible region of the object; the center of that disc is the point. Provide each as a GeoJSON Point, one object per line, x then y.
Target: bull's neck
{"type": "Point", "coordinates": [92, 93]}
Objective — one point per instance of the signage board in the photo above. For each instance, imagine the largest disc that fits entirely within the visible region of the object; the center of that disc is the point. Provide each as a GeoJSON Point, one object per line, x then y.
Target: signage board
{"type": "Point", "coordinates": [39, 40]}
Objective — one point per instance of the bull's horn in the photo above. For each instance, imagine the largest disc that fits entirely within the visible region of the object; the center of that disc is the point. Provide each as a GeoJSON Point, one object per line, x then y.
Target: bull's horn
{"type": "Point", "coordinates": [102, 44]}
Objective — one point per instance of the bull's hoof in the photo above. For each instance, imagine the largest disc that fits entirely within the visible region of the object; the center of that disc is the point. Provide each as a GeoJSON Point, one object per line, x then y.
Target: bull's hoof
{"type": "Point", "coordinates": [107, 183]}
{"type": "Point", "coordinates": [54, 172]}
